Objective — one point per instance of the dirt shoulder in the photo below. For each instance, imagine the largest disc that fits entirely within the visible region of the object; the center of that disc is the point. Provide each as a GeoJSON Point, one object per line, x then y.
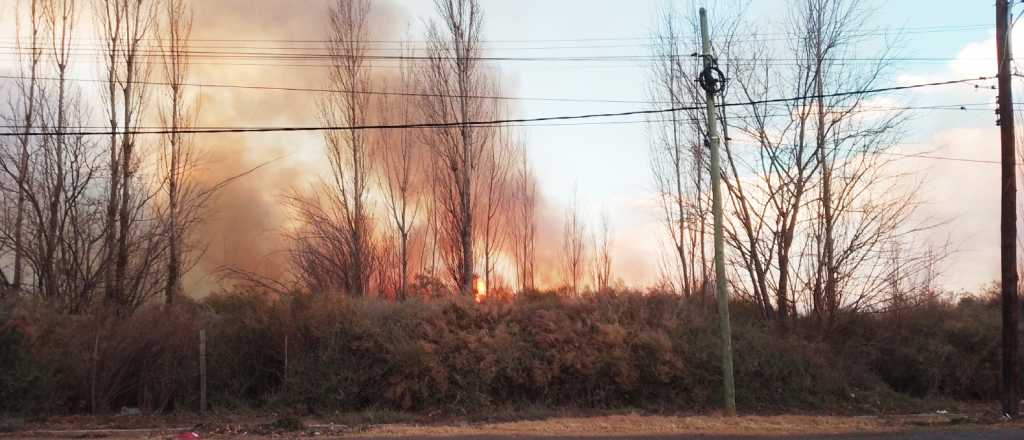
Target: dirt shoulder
{"type": "Point", "coordinates": [646, 425]}
{"type": "Point", "coordinates": [624, 425]}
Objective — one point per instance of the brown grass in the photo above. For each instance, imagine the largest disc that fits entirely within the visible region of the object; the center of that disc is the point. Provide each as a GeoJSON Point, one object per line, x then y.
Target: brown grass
{"type": "Point", "coordinates": [645, 425]}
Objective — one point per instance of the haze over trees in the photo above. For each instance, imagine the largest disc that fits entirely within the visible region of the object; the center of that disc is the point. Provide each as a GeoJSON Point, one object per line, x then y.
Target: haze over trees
{"type": "Point", "coordinates": [818, 222]}
{"type": "Point", "coordinates": [424, 249]}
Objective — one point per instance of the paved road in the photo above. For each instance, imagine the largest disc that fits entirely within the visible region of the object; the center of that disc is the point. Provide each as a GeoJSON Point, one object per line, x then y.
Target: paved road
{"type": "Point", "coordinates": [1008, 434]}
{"type": "Point", "coordinates": [1011, 434]}
{"type": "Point", "coordinates": [964, 433]}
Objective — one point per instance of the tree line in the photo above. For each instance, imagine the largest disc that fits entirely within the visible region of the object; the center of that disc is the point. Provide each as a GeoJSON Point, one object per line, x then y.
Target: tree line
{"type": "Point", "coordinates": [817, 221]}
{"type": "Point", "coordinates": [110, 221]}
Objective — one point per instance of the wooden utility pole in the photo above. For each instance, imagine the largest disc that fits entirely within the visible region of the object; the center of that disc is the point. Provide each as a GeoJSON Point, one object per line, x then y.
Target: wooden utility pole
{"type": "Point", "coordinates": [712, 85]}
{"type": "Point", "coordinates": [1008, 216]}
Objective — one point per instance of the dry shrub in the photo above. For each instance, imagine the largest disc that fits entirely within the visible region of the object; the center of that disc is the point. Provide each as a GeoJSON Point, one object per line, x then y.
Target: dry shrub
{"type": "Point", "coordinates": [613, 350]}
{"type": "Point", "coordinates": [97, 362]}
{"type": "Point", "coordinates": [26, 384]}
{"type": "Point", "coordinates": [246, 348]}
{"type": "Point", "coordinates": [935, 349]}
{"type": "Point", "coordinates": [606, 351]}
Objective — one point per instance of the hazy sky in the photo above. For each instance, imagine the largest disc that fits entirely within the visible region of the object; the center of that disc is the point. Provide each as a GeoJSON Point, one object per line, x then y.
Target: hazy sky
{"type": "Point", "coordinates": [608, 164]}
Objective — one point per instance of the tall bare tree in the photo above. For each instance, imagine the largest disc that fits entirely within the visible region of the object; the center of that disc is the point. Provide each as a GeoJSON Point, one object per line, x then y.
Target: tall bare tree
{"type": "Point", "coordinates": [25, 110]}
{"type": "Point", "coordinates": [602, 265]}
{"type": "Point", "coordinates": [61, 17]}
{"type": "Point", "coordinates": [767, 188]}
{"type": "Point", "coordinates": [132, 244]}
{"type": "Point", "coordinates": [812, 203]}
{"type": "Point", "coordinates": [110, 18]}
{"type": "Point", "coordinates": [179, 155]}
{"type": "Point", "coordinates": [677, 151]}
{"type": "Point", "coordinates": [452, 77]}
{"type": "Point", "coordinates": [403, 177]}
{"type": "Point", "coordinates": [525, 224]}
{"type": "Point", "coordinates": [434, 213]}
{"type": "Point", "coordinates": [574, 247]}
{"type": "Point", "coordinates": [497, 164]}
{"type": "Point", "coordinates": [862, 206]}
{"type": "Point", "coordinates": [51, 170]}
{"type": "Point", "coordinates": [816, 205]}
{"type": "Point", "coordinates": [348, 150]}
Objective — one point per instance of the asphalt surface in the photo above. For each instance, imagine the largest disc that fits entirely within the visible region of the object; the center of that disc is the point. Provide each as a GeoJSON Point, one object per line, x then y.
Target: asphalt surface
{"type": "Point", "coordinates": [1008, 434]}
{"type": "Point", "coordinates": [987, 434]}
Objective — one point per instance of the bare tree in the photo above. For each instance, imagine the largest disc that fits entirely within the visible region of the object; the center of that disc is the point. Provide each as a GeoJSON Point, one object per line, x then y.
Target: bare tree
{"type": "Point", "coordinates": [52, 171]}
{"type": "Point", "coordinates": [133, 241]}
{"type": "Point", "coordinates": [602, 266]}
{"type": "Point", "coordinates": [347, 150]}
{"type": "Point", "coordinates": [25, 111]}
{"type": "Point", "coordinates": [525, 225]}
{"type": "Point", "coordinates": [861, 206]}
{"type": "Point", "coordinates": [812, 203]}
{"type": "Point", "coordinates": [61, 18]}
{"type": "Point", "coordinates": [452, 77]}
{"type": "Point", "coordinates": [767, 191]}
{"type": "Point", "coordinates": [110, 22]}
{"type": "Point", "coordinates": [179, 155]}
{"type": "Point", "coordinates": [434, 212]}
{"type": "Point", "coordinates": [403, 178]}
{"type": "Point", "coordinates": [319, 255]}
{"type": "Point", "coordinates": [497, 163]}
{"type": "Point", "coordinates": [140, 18]}
{"type": "Point", "coordinates": [678, 156]}
{"type": "Point", "coordinates": [574, 248]}
{"type": "Point", "coordinates": [910, 277]}
{"type": "Point", "coordinates": [816, 204]}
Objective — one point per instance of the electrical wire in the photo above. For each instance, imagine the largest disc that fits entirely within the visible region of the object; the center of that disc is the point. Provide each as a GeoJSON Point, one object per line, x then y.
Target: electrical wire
{"type": "Point", "coordinates": [318, 56]}
{"type": "Point", "coordinates": [411, 94]}
{"type": "Point", "coordinates": [495, 122]}
{"type": "Point", "coordinates": [759, 36]}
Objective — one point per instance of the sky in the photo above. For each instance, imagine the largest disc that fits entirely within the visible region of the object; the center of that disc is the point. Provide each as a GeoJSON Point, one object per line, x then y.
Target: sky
{"type": "Point", "coordinates": [607, 166]}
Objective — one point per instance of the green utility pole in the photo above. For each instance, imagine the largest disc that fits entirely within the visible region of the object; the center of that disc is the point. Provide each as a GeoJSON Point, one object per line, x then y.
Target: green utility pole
{"type": "Point", "coordinates": [712, 85]}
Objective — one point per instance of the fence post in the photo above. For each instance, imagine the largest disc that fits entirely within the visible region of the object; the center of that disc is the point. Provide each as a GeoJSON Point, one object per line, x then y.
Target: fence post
{"type": "Point", "coordinates": [95, 360]}
{"type": "Point", "coordinates": [285, 381]}
{"type": "Point", "coordinates": [202, 371]}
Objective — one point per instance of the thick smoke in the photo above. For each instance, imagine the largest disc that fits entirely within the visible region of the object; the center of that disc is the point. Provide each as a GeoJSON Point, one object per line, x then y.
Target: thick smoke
{"type": "Point", "coordinates": [247, 223]}
{"type": "Point", "coordinates": [246, 220]}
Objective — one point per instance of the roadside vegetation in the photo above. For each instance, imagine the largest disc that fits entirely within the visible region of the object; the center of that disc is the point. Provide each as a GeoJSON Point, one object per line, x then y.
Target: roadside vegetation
{"type": "Point", "coordinates": [317, 354]}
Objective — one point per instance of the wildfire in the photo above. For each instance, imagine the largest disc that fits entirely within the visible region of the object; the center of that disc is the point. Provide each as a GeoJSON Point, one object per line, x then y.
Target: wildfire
{"type": "Point", "coordinates": [480, 290]}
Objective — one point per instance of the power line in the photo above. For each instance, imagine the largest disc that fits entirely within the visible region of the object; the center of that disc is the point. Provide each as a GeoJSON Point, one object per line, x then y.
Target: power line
{"type": "Point", "coordinates": [578, 63]}
{"type": "Point", "coordinates": [495, 122]}
{"type": "Point", "coordinates": [759, 36]}
{"type": "Point", "coordinates": [316, 56]}
{"type": "Point", "coordinates": [933, 157]}
{"type": "Point", "coordinates": [950, 107]}
{"type": "Point", "coordinates": [429, 95]}
{"type": "Point", "coordinates": [359, 92]}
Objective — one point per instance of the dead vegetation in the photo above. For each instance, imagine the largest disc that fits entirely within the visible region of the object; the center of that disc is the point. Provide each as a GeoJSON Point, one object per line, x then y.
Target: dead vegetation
{"type": "Point", "coordinates": [321, 354]}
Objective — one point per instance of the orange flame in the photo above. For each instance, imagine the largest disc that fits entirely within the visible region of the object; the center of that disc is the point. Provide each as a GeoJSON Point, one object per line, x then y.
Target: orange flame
{"type": "Point", "coordinates": [480, 289]}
